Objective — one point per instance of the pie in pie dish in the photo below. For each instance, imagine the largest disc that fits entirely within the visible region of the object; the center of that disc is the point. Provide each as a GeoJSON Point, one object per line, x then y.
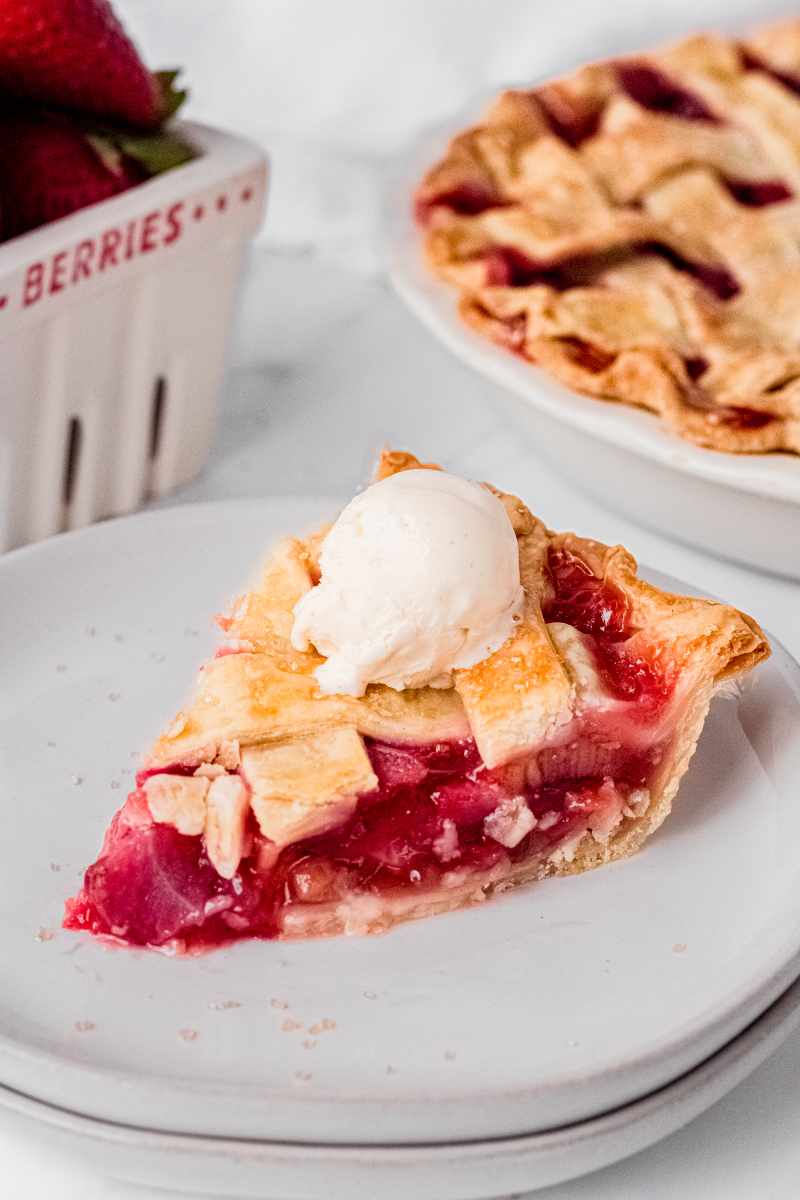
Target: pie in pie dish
{"type": "Point", "coordinates": [634, 229]}
{"type": "Point", "coordinates": [274, 808]}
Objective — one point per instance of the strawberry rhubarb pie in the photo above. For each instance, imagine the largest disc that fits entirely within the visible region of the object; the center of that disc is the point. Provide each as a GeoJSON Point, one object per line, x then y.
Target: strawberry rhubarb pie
{"type": "Point", "coordinates": [634, 229]}
{"type": "Point", "coordinates": [432, 700]}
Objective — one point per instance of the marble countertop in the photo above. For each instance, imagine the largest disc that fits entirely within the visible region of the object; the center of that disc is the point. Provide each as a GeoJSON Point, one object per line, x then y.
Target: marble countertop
{"type": "Point", "coordinates": [326, 366]}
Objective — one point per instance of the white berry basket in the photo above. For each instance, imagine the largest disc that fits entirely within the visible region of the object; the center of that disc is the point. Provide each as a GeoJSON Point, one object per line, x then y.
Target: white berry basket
{"type": "Point", "coordinates": [113, 328]}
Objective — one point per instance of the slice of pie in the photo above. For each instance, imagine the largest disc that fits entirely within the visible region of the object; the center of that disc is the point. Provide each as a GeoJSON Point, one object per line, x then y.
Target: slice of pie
{"type": "Point", "coordinates": [272, 808]}
{"type": "Point", "coordinates": [634, 228]}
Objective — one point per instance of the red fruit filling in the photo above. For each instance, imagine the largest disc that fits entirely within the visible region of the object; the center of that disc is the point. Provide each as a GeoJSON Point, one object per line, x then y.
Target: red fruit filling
{"type": "Point", "coordinates": [468, 199]}
{"type": "Point", "coordinates": [509, 267]}
{"type": "Point", "coordinates": [759, 193]}
{"type": "Point", "coordinates": [744, 418]}
{"type": "Point", "coordinates": [716, 278]}
{"type": "Point", "coordinates": [656, 91]}
{"type": "Point", "coordinates": [695, 367]}
{"type": "Point", "coordinates": [754, 62]}
{"type": "Point", "coordinates": [729, 415]}
{"type": "Point", "coordinates": [581, 599]}
{"type": "Point", "coordinates": [598, 608]}
{"type": "Point", "coordinates": [425, 825]}
{"type": "Point", "coordinates": [574, 122]}
{"type": "Point", "coordinates": [586, 355]}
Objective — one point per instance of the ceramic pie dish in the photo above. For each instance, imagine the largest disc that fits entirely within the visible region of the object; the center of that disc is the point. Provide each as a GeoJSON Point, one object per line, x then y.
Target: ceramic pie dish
{"type": "Point", "coordinates": [596, 226]}
{"type": "Point", "coordinates": [424, 1034]}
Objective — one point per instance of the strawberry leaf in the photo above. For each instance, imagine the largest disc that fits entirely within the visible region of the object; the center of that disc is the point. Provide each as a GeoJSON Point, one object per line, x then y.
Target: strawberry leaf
{"type": "Point", "coordinates": [171, 97]}
{"type": "Point", "coordinates": [156, 152]}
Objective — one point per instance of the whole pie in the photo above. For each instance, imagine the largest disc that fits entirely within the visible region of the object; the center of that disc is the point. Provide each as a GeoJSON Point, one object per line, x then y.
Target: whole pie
{"type": "Point", "coordinates": [634, 228]}
{"type": "Point", "coordinates": [271, 808]}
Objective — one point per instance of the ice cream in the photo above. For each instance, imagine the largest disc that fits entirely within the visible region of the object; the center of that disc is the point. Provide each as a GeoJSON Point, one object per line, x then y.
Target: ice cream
{"type": "Point", "coordinates": [419, 577]}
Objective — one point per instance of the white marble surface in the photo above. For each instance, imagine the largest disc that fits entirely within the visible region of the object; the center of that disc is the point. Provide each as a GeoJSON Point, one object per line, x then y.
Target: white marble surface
{"type": "Point", "coordinates": [327, 365]}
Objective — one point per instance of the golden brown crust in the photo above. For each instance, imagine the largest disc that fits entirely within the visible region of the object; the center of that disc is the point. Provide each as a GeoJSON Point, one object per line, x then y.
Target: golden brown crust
{"type": "Point", "coordinates": [622, 249]}
{"type": "Point", "coordinates": [301, 752]}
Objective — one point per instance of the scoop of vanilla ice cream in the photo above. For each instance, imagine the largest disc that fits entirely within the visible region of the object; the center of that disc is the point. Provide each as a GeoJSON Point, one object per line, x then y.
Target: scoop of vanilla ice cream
{"type": "Point", "coordinates": [419, 576]}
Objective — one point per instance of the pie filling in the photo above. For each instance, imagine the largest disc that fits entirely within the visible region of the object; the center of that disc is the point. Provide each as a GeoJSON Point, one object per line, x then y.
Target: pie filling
{"type": "Point", "coordinates": [508, 267]}
{"type": "Point", "coordinates": [654, 90]}
{"type": "Point", "coordinates": [438, 820]}
{"type": "Point", "coordinates": [753, 62]}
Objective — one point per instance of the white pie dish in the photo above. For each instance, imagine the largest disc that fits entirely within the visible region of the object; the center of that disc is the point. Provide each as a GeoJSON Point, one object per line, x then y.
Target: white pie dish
{"type": "Point", "coordinates": [700, 932]}
{"type": "Point", "coordinates": [458, 1171]}
{"type": "Point", "coordinates": [745, 507]}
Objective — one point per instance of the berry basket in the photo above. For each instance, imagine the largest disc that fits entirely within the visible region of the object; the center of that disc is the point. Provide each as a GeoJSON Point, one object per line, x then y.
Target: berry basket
{"type": "Point", "coordinates": [113, 327]}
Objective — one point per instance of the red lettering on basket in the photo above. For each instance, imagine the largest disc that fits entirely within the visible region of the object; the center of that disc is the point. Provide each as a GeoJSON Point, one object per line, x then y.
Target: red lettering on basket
{"type": "Point", "coordinates": [111, 248]}
{"type": "Point", "coordinates": [174, 223]}
{"type": "Point", "coordinates": [150, 233]}
{"type": "Point", "coordinates": [108, 249]}
{"type": "Point", "coordinates": [130, 244]}
{"type": "Point", "coordinates": [58, 272]}
{"type": "Point", "coordinates": [82, 263]}
{"type": "Point", "coordinates": [34, 282]}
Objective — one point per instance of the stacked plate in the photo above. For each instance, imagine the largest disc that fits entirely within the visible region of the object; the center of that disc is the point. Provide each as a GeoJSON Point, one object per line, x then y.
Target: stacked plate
{"type": "Point", "coordinates": [495, 1050]}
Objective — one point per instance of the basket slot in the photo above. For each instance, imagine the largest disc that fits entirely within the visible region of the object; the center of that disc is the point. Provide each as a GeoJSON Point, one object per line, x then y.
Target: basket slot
{"type": "Point", "coordinates": [157, 416]}
{"type": "Point", "coordinates": [170, 403]}
{"type": "Point", "coordinates": [84, 465]}
{"type": "Point", "coordinates": [72, 458]}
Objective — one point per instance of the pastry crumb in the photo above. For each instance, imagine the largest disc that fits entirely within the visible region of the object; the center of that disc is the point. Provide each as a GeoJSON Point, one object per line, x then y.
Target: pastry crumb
{"type": "Point", "coordinates": [84, 1026]}
{"type": "Point", "coordinates": [188, 1035]}
{"type": "Point", "coordinates": [44, 935]}
{"type": "Point", "coordinates": [322, 1026]}
{"type": "Point", "coordinates": [303, 1076]}
{"type": "Point", "coordinates": [291, 1026]}
{"type": "Point", "coordinates": [679, 948]}
{"type": "Point", "coordinates": [223, 1005]}
{"type": "Point", "coordinates": [278, 1003]}
{"type": "Point", "coordinates": [309, 1043]}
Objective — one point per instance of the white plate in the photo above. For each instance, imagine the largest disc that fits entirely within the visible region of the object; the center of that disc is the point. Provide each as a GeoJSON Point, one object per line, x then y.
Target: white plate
{"type": "Point", "coordinates": [543, 1008]}
{"type": "Point", "coordinates": [745, 507]}
{"type": "Point", "coordinates": [473, 1171]}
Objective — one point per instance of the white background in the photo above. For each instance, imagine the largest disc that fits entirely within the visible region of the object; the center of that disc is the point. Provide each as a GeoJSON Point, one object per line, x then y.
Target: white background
{"type": "Point", "coordinates": [327, 364]}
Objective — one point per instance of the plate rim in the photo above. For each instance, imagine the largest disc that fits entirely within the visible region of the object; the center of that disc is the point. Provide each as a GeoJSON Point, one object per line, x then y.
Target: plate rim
{"type": "Point", "coordinates": [760, 1038]}
{"type": "Point", "coordinates": [752, 1000]}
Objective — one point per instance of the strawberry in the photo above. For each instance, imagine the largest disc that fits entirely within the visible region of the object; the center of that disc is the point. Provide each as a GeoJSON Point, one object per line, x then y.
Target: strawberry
{"type": "Point", "coordinates": [75, 54]}
{"type": "Point", "coordinates": [49, 168]}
